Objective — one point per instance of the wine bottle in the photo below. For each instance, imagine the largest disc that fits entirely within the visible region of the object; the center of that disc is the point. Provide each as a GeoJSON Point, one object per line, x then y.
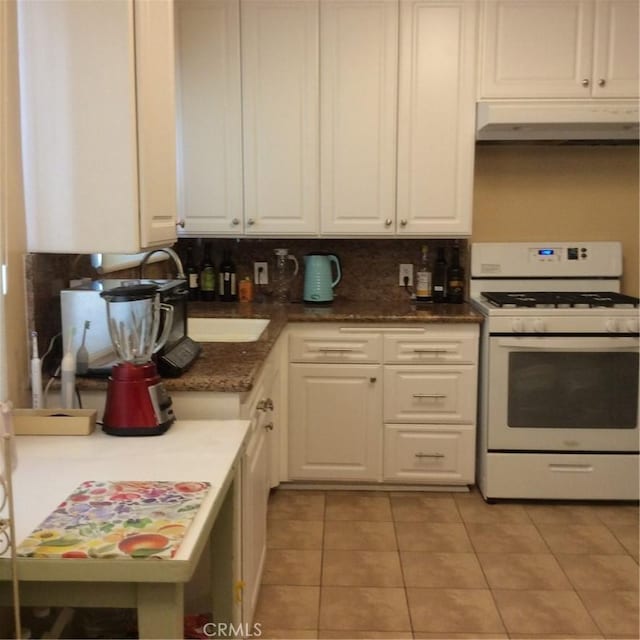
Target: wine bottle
{"type": "Point", "coordinates": [207, 276]}
{"type": "Point", "coordinates": [440, 277]}
{"type": "Point", "coordinates": [193, 275]}
{"type": "Point", "coordinates": [227, 279]}
{"type": "Point", "coordinates": [455, 284]}
{"type": "Point", "coordinates": [423, 277]}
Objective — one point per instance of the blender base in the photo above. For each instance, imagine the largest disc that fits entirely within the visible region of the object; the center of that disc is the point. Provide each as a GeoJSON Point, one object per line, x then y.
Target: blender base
{"type": "Point", "coordinates": [139, 431]}
{"type": "Point", "coordinates": [137, 402]}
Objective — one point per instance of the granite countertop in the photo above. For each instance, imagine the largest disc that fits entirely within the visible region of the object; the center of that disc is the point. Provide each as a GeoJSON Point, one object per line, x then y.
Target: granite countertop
{"type": "Point", "coordinates": [233, 366]}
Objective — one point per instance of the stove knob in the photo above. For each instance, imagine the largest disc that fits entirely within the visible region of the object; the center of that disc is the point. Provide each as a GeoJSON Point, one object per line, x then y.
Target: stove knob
{"type": "Point", "coordinates": [517, 324]}
{"type": "Point", "coordinates": [611, 325]}
{"type": "Point", "coordinates": [539, 325]}
{"type": "Point", "coordinates": [633, 325]}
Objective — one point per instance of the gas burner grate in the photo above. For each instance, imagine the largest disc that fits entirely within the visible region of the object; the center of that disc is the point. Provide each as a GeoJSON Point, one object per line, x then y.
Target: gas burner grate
{"type": "Point", "coordinates": [560, 299]}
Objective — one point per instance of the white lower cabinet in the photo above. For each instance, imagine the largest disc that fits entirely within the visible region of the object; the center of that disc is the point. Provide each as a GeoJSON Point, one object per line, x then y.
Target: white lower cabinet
{"type": "Point", "coordinates": [419, 394]}
{"type": "Point", "coordinates": [429, 454]}
{"type": "Point", "coordinates": [406, 414]}
{"type": "Point", "coordinates": [335, 412]}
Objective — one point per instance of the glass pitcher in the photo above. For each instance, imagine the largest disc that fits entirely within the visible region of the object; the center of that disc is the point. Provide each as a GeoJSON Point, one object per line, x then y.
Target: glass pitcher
{"type": "Point", "coordinates": [283, 274]}
{"type": "Point", "coordinates": [133, 317]}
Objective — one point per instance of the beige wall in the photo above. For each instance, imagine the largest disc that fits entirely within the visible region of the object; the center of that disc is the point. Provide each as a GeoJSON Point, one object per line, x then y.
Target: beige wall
{"type": "Point", "coordinates": [13, 211]}
{"type": "Point", "coordinates": [559, 192]}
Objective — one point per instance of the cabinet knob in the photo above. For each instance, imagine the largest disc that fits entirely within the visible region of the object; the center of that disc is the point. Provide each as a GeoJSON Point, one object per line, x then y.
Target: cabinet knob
{"type": "Point", "coordinates": [403, 223]}
{"type": "Point", "coordinates": [251, 222]}
{"type": "Point", "coordinates": [268, 403]}
{"type": "Point", "coordinates": [235, 222]}
{"type": "Point", "coordinates": [388, 222]}
{"type": "Point", "coordinates": [269, 426]}
{"type": "Point", "coordinates": [602, 82]}
{"type": "Point", "coordinates": [585, 82]}
{"type": "Point", "coordinates": [261, 406]}
{"type": "Point", "coordinates": [373, 379]}
{"type": "Point", "coordinates": [181, 223]}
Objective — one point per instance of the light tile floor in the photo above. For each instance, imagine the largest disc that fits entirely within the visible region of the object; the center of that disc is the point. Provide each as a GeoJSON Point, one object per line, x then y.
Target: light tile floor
{"type": "Point", "coordinates": [351, 564]}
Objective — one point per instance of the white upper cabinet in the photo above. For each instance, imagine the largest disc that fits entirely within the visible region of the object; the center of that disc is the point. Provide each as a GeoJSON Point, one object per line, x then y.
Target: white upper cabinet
{"type": "Point", "coordinates": [338, 118]}
{"type": "Point", "coordinates": [98, 117]}
{"type": "Point", "coordinates": [436, 119]}
{"type": "Point", "coordinates": [559, 49]}
{"type": "Point", "coordinates": [358, 80]}
{"type": "Point", "coordinates": [280, 116]}
{"type": "Point", "coordinates": [210, 118]}
{"type": "Point", "coordinates": [616, 53]}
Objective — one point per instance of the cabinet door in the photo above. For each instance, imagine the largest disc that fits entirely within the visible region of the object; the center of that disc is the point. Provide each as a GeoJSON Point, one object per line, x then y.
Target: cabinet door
{"type": "Point", "coordinates": [255, 491]}
{"type": "Point", "coordinates": [85, 182]}
{"type": "Point", "coordinates": [430, 394]}
{"type": "Point", "coordinates": [280, 116]}
{"type": "Point", "coordinates": [436, 119]}
{"type": "Point", "coordinates": [536, 49]}
{"type": "Point", "coordinates": [156, 121]}
{"type": "Point", "coordinates": [359, 54]}
{"type": "Point", "coordinates": [615, 72]}
{"type": "Point", "coordinates": [335, 422]}
{"type": "Point", "coordinates": [210, 145]}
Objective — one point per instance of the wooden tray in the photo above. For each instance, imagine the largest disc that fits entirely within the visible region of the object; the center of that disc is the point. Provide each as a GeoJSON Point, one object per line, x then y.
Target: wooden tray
{"type": "Point", "coordinates": [54, 422]}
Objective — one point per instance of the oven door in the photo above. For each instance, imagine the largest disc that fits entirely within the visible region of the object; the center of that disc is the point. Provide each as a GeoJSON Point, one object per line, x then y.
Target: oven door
{"type": "Point", "coordinates": [563, 393]}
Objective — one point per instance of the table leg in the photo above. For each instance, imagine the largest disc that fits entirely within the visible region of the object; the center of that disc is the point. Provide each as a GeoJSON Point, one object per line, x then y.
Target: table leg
{"type": "Point", "coordinates": [160, 610]}
{"type": "Point", "coordinates": [224, 558]}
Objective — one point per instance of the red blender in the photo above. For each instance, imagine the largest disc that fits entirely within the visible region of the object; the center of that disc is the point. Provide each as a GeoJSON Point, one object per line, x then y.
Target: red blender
{"type": "Point", "coordinates": [137, 402]}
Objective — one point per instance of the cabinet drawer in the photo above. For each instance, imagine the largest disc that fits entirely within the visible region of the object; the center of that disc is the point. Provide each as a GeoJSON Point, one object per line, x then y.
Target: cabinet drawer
{"type": "Point", "coordinates": [431, 394]}
{"type": "Point", "coordinates": [433, 455]}
{"type": "Point", "coordinates": [334, 347]}
{"type": "Point", "coordinates": [434, 347]}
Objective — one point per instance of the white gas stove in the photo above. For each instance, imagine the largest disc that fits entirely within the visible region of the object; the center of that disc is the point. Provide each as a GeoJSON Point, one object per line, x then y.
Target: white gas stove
{"type": "Point", "coordinates": [560, 358]}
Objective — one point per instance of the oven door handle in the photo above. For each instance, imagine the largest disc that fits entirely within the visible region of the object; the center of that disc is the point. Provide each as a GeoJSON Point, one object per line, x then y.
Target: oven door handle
{"type": "Point", "coordinates": [569, 344]}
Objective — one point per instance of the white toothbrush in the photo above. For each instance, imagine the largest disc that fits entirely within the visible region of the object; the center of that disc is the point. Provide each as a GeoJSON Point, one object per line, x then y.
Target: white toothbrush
{"type": "Point", "coordinates": [82, 355]}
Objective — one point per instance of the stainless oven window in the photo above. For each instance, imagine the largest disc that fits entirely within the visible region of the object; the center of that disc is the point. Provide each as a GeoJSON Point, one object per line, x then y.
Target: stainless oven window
{"type": "Point", "coordinates": [556, 389]}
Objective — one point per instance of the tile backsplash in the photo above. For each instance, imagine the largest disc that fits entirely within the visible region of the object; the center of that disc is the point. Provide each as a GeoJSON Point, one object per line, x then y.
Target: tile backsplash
{"type": "Point", "coordinates": [369, 270]}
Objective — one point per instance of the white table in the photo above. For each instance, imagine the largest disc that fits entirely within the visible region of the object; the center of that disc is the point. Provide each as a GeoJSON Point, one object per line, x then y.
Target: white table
{"type": "Point", "coordinates": [50, 467]}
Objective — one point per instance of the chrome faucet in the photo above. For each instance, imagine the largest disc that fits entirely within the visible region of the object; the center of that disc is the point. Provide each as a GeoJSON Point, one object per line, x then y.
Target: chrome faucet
{"type": "Point", "coordinates": [172, 254]}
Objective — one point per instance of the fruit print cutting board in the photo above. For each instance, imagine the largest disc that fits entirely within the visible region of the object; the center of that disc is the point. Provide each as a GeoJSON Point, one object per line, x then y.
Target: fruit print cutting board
{"type": "Point", "coordinates": [126, 519]}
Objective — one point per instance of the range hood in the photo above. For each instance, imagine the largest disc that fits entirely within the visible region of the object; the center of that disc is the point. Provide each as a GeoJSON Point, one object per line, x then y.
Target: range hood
{"type": "Point", "coordinates": [557, 120]}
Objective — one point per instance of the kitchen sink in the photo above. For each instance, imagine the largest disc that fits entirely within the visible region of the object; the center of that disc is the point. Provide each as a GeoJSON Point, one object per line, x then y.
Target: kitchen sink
{"type": "Point", "coordinates": [226, 329]}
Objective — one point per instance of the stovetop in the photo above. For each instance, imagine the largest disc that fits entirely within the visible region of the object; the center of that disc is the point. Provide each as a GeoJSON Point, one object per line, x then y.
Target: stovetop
{"type": "Point", "coordinates": [560, 299]}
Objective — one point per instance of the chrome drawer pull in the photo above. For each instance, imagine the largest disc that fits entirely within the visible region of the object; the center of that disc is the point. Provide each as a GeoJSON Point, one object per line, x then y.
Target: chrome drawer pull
{"type": "Point", "coordinates": [429, 455]}
{"type": "Point", "coordinates": [430, 350]}
{"type": "Point", "coordinates": [429, 395]}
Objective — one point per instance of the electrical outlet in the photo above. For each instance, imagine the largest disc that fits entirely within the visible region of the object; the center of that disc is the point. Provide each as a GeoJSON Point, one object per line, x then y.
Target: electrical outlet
{"type": "Point", "coordinates": [406, 271]}
{"type": "Point", "coordinates": [261, 272]}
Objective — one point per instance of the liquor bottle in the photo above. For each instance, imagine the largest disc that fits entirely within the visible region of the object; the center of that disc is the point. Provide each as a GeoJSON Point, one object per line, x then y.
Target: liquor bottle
{"type": "Point", "coordinates": [193, 275]}
{"type": "Point", "coordinates": [423, 277]}
{"type": "Point", "coordinates": [227, 279]}
{"type": "Point", "coordinates": [440, 277]}
{"type": "Point", "coordinates": [207, 276]}
{"type": "Point", "coordinates": [455, 282]}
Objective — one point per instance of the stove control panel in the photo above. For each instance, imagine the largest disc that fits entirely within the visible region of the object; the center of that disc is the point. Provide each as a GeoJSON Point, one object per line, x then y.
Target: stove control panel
{"type": "Point", "coordinates": [546, 260]}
